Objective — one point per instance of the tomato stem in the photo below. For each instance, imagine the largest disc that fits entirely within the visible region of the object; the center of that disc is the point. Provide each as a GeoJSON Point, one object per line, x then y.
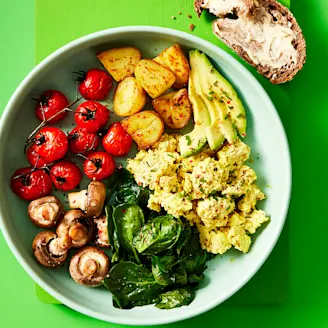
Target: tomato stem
{"type": "Point", "coordinates": [44, 122]}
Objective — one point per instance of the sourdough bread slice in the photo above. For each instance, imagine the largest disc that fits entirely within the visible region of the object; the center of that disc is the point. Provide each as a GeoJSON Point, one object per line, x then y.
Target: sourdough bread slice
{"type": "Point", "coordinates": [268, 37]}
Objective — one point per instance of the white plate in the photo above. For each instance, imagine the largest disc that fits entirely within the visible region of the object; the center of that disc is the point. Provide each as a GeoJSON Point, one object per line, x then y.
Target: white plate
{"type": "Point", "coordinates": [266, 136]}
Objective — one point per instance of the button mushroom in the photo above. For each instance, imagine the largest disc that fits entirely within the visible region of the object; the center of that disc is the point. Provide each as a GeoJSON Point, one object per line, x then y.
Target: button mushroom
{"type": "Point", "coordinates": [89, 266]}
{"type": "Point", "coordinates": [102, 231]}
{"type": "Point", "coordinates": [89, 200]}
{"type": "Point", "coordinates": [44, 212]}
{"type": "Point", "coordinates": [49, 250]}
{"type": "Point", "coordinates": [77, 226]}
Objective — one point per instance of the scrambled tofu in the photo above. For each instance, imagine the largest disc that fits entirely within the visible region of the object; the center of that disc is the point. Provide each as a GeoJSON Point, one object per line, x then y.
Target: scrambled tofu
{"type": "Point", "coordinates": [216, 191]}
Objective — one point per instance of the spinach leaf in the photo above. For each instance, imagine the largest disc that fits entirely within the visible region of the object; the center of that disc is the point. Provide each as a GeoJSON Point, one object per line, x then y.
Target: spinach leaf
{"type": "Point", "coordinates": [131, 282]}
{"type": "Point", "coordinates": [193, 257]}
{"type": "Point", "coordinates": [128, 219]}
{"type": "Point", "coordinates": [180, 277]}
{"type": "Point", "coordinates": [158, 235]}
{"type": "Point", "coordinates": [184, 238]}
{"type": "Point", "coordinates": [196, 279]}
{"type": "Point", "coordinates": [176, 298]}
{"type": "Point", "coordinates": [112, 185]}
{"type": "Point", "coordinates": [112, 234]}
{"type": "Point", "coordinates": [161, 269]}
{"type": "Point", "coordinates": [129, 191]}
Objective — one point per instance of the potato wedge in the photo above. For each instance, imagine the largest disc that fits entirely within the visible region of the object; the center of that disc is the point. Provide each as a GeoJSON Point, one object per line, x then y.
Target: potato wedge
{"type": "Point", "coordinates": [174, 108]}
{"type": "Point", "coordinates": [153, 77]}
{"type": "Point", "coordinates": [145, 128]}
{"type": "Point", "coordinates": [129, 98]}
{"type": "Point", "coordinates": [120, 62]}
{"type": "Point", "coordinates": [174, 59]}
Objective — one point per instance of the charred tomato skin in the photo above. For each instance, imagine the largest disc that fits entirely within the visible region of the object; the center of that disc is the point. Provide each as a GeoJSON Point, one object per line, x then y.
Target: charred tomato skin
{"type": "Point", "coordinates": [51, 144]}
{"type": "Point", "coordinates": [117, 142]}
{"type": "Point", "coordinates": [50, 103]}
{"type": "Point", "coordinates": [99, 165]}
{"type": "Point", "coordinates": [34, 159]}
{"type": "Point", "coordinates": [95, 84]}
{"type": "Point", "coordinates": [65, 175]}
{"type": "Point", "coordinates": [32, 185]}
{"type": "Point", "coordinates": [81, 141]}
{"type": "Point", "coordinates": [91, 116]}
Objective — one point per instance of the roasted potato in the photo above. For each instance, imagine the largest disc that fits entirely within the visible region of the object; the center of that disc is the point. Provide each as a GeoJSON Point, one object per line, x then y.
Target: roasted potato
{"type": "Point", "coordinates": [130, 98]}
{"type": "Point", "coordinates": [174, 108]}
{"type": "Point", "coordinates": [120, 62]}
{"type": "Point", "coordinates": [145, 128]}
{"type": "Point", "coordinates": [153, 77]}
{"type": "Point", "coordinates": [174, 59]}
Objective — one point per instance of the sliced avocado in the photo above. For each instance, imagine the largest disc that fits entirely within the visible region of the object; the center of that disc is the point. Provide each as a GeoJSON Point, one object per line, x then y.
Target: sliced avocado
{"type": "Point", "coordinates": [214, 136]}
{"type": "Point", "coordinates": [218, 106]}
{"type": "Point", "coordinates": [224, 90]}
{"type": "Point", "coordinates": [193, 142]}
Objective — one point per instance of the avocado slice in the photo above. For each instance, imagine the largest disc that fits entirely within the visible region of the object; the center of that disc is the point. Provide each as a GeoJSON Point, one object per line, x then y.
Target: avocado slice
{"type": "Point", "coordinates": [193, 142]}
{"type": "Point", "coordinates": [223, 90]}
{"type": "Point", "coordinates": [218, 106]}
{"type": "Point", "coordinates": [213, 133]}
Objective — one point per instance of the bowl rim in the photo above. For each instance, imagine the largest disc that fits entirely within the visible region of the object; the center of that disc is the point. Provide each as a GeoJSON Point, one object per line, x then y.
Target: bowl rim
{"type": "Point", "coordinates": [181, 315]}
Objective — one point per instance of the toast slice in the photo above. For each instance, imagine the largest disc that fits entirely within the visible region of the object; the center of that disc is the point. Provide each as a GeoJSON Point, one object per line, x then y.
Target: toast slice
{"type": "Point", "coordinates": [266, 35]}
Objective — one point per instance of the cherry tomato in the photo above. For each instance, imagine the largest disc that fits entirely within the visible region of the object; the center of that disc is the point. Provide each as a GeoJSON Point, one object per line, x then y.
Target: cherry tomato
{"type": "Point", "coordinates": [91, 116]}
{"type": "Point", "coordinates": [51, 144]}
{"type": "Point", "coordinates": [29, 185]}
{"type": "Point", "coordinates": [81, 141]}
{"type": "Point", "coordinates": [117, 142]}
{"type": "Point", "coordinates": [35, 159]}
{"type": "Point", "coordinates": [65, 175]}
{"type": "Point", "coordinates": [50, 103]}
{"type": "Point", "coordinates": [95, 84]}
{"type": "Point", "coordinates": [99, 166]}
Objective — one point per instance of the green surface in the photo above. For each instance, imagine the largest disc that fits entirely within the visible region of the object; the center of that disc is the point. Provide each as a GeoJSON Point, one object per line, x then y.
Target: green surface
{"type": "Point", "coordinates": [306, 125]}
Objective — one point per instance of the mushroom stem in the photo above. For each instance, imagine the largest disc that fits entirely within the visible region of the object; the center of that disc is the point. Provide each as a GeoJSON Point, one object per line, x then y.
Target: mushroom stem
{"type": "Point", "coordinates": [77, 232]}
{"type": "Point", "coordinates": [78, 199]}
{"type": "Point", "coordinates": [60, 245]}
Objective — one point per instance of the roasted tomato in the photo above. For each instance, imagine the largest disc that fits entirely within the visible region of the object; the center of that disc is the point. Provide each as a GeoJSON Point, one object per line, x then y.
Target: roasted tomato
{"type": "Point", "coordinates": [95, 84]}
{"type": "Point", "coordinates": [65, 175]}
{"type": "Point", "coordinates": [50, 103]}
{"type": "Point", "coordinates": [35, 159]}
{"type": "Point", "coordinates": [81, 141]}
{"type": "Point", "coordinates": [99, 166]}
{"type": "Point", "coordinates": [51, 144]}
{"type": "Point", "coordinates": [91, 116]}
{"type": "Point", "coordinates": [117, 142]}
{"type": "Point", "coordinates": [30, 185]}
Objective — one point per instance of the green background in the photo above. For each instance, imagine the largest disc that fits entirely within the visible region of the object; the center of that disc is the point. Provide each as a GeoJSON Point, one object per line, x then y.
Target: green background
{"type": "Point", "coordinates": [303, 244]}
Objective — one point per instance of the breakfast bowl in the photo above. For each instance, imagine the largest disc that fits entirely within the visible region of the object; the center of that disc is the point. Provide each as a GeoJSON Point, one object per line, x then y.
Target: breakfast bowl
{"type": "Point", "coordinates": [269, 153]}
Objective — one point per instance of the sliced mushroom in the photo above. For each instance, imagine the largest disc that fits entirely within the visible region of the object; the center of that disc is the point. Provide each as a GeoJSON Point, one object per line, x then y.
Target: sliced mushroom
{"type": "Point", "coordinates": [102, 231]}
{"type": "Point", "coordinates": [89, 200]}
{"type": "Point", "coordinates": [89, 266]}
{"type": "Point", "coordinates": [42, 250]}
{"type": "Point", "coordinates": [44, 212]}
{"type": "Point", "coordinates": [77, 226]}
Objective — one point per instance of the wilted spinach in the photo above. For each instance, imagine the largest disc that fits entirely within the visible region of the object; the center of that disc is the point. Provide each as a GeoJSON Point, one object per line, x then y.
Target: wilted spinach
{"type": "Point", "coordinates": [129, 191]}
{"type": "Point", "coordinates": [193, 258]}
{"type": "Point", "coordinates": [130, 282]}
{"type": "Point", "coordinates": [112, 234]}
{"type": "Point", "coordinates": [128, 219]}
{"type": "Point", "coordinates": [161, 269]}
{"type": "Point", "coordinates": [180, 277]}
{"type": "Point", "coordinates": [158, 235]}
{"type": "Point", "coordinates": [176, 298]}
{"type": "Point", "coordinates": [184, 238]}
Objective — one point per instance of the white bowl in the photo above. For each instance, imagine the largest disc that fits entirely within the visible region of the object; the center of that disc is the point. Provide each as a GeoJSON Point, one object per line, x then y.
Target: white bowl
{"type": "Point", "coordinates": [266, 136]}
